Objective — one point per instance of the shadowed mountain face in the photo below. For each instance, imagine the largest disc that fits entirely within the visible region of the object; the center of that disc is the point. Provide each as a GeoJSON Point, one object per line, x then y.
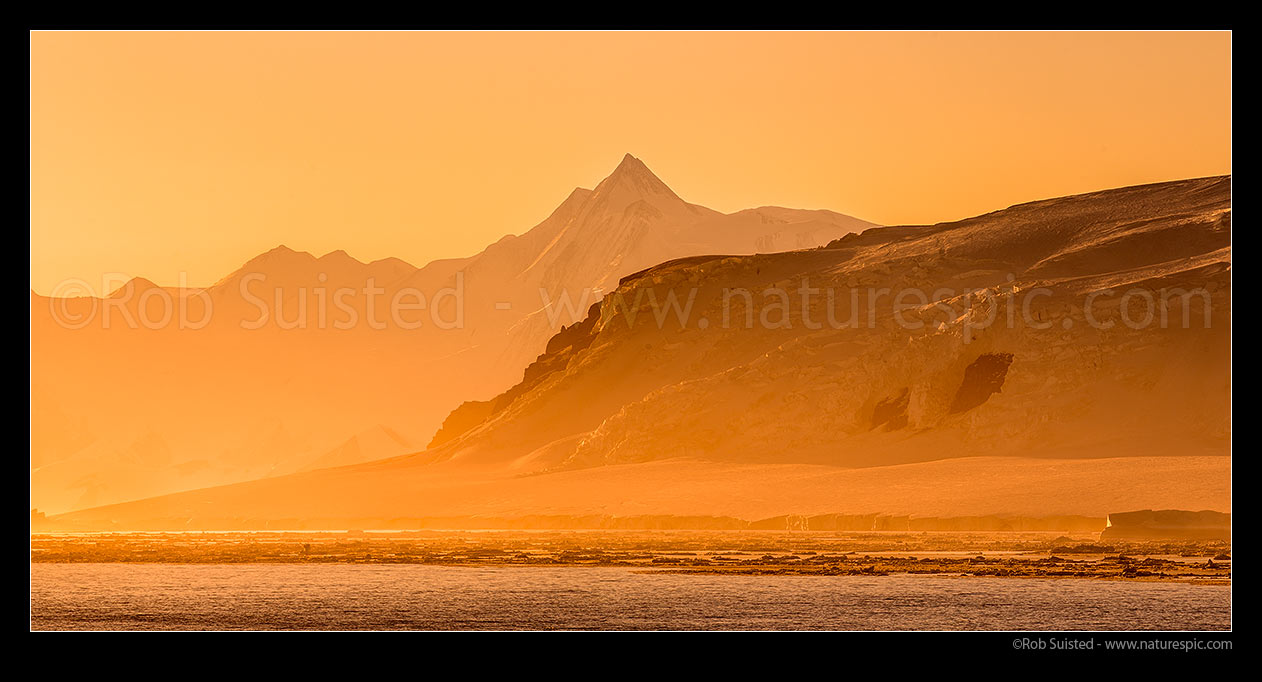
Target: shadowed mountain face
{"type": "Point", "coordinates": [1068, 356]}
{"type": "Point", "coordinates": [296, 362]}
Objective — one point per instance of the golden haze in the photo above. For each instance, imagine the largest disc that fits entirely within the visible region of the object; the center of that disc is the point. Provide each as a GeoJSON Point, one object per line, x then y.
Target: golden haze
{"type": "Point", "coordinates": [156, 153]}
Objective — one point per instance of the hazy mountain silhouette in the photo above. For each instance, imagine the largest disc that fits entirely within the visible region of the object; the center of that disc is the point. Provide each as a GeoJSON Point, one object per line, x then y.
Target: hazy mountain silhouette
{"type": "Point", "coordinates": [219, 393]}
{"type": "Point", "coordinates": [828, 405]}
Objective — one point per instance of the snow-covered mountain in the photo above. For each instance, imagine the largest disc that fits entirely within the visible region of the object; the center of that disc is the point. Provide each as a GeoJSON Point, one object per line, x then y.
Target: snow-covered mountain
{"type": "Point", "coordinates": [291, 357]}
{"type": "Point", "coordinates": [1063, 357]}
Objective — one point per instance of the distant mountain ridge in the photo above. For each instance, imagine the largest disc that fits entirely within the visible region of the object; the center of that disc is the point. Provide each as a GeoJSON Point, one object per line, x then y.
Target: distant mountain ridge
{"type": "Point", "coordinates": [284, 370]}
{"type": "Point", "coordinates": [1078, 406]}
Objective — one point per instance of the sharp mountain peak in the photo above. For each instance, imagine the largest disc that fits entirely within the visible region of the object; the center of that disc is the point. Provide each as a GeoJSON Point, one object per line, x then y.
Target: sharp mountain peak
{"type": "Point", "coordinates": [634, 176]}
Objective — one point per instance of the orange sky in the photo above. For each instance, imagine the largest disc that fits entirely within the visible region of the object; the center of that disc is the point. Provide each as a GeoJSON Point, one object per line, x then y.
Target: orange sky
{"type": "Point", "coordinates": [159, 153]}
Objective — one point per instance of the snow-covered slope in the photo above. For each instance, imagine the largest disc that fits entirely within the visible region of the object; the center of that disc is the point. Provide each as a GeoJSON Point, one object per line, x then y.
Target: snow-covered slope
{"type": "Point", "coordinates": [300, 353]}
{"type": "Point", "coordinates": [1001, 364]}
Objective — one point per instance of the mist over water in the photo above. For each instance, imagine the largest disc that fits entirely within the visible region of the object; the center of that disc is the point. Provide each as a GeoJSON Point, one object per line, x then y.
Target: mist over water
{"type": "Point", "coordinates": [393, 597]}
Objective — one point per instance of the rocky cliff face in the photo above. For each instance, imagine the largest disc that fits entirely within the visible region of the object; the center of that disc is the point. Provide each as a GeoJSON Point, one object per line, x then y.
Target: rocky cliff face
{"type": "Point", "coordinates": [1024, 332]}
{"type": "Point", "coordinates": [1019, 362]}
